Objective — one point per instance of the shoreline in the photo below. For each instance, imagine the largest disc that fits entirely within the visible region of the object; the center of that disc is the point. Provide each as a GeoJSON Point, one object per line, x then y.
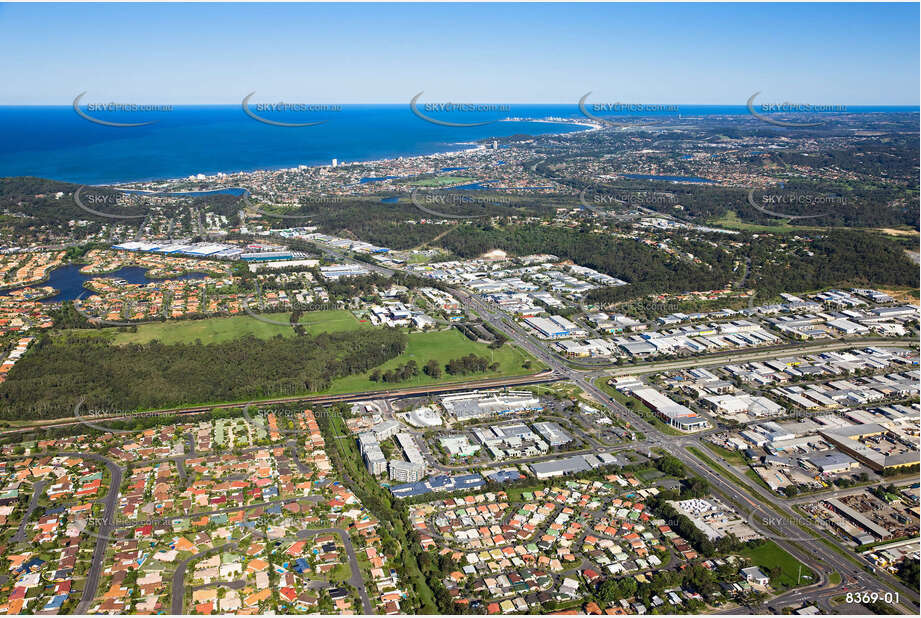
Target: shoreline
{"type": "Point", "coordinates": [586, 125]}
{"type": "Point", "coordinates": [107, 274]}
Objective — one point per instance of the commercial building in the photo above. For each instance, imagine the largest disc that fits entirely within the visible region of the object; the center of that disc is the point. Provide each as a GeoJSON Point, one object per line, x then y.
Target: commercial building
{"type": "Point", "coordinates": [459, 446]}
{"type": "Point", "coordinates": [441, 300]}
{"type": "Point", "coordinates": [424, 417]}
{"type": "Point", "coordinates": [391, 314]}
{"type": "Point", "coordinates": [755, 576]}
{"type": "Point", "coordinates": [385, 429]}
{"type": "Point", "coordinates": [553, 433]}
{"type": "Point", "coordinates": [510, 440]}
{"type": "Point", "coordinates": [464, 482]}
{"type": "Point", "coordinates": [673, 413]}
{"type": "Point", "coordinates": [370, 448]}
{"type": "Point", "coordinates": [408, 444]}
{"type": "Point", "coordinates": [566, 465]}
{"type": "Point", "coordinates": [715, 519]}
{"type": "Point", "coordinates": [468, 406]}
{"type": "Point", "coordinates": [509, 434]}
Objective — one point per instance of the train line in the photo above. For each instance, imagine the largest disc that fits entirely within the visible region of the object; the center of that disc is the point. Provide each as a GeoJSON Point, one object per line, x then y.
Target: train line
{"type": "Point", "coordinates": [544, 377]}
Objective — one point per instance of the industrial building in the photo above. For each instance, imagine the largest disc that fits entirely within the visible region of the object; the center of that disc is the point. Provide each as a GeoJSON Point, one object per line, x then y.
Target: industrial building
{"type": "Point", "coordinates": [554, 327]}
{"type": "Point", "coordinates": [559, 467]}
{"type": "Point", "coordinates": [267, 256]}
{"type": "Point", "coordinates": [571, 465]}
{"type": "Point", "coordinates": [755, 406]}
{"type": "Point", "coordinates": [876, 532]}
{"type": "Point", "coordinates": [553, 433]}
{"type": "Point", "coordinates": [832, 462]}
{"type": "Point", "coordinates": [337, 271]}
{"type": "Point", "coordinates": [853, 441]}
{"type": "Point", "coordinates": [675, 414]}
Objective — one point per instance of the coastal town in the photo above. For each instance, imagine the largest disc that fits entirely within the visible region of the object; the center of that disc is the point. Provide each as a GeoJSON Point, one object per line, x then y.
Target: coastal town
{"type": "Point", "coordinates": [460, 358]}
{"type": "Point", "coordinates": [606, 465]}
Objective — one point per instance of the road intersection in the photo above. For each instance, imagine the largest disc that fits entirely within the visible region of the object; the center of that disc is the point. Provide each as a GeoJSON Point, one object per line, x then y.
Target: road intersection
{"type": "Point", "coordinates": [814, 552]}
{"type": "Point", "coordinates": [771, 515]}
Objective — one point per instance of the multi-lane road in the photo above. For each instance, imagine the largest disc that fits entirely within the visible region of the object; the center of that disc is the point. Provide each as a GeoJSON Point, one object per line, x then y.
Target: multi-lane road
{"type": "Point", "coordinates": [784, 526]}
{"type": "Point", "coordinates": [771, 515]}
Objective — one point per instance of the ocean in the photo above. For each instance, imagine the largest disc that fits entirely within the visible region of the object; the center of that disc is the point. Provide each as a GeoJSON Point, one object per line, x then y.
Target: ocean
{"type": "Point", "coordinates": [54, 142]}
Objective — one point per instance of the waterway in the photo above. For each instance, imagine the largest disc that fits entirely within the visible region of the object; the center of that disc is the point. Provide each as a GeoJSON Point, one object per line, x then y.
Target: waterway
{"type": "Point", "coordinates": [68, 281]}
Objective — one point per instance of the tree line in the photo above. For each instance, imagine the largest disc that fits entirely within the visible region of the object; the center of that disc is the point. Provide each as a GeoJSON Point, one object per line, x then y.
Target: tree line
{"type": "Point", "coordinates": [62, 369]}
{"type": "Point", "coordinates": [456, 366]}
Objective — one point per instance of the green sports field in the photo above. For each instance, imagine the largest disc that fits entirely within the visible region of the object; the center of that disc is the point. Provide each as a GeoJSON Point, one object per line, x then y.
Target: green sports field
{"type": "Point", "coordinates": [770, 555]}
{"type": "Point", "coordinates": [443, 346]}
{"type": "Point", "coordinates": [442, 181]}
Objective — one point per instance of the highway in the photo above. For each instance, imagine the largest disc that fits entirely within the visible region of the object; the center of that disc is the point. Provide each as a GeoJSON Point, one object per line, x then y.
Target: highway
{"type": "Point", "coordinates": [783, 525]}
{"type": "Point", "coordinates": [769, 514]}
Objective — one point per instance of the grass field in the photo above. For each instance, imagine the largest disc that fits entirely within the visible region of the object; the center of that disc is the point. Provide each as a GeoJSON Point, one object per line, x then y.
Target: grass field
{"type": "Point", "coordinates": [514, 493]}
{"type": "Point", "coordinates": [442, 181]}
{"type": "Point", "coordinates": [770, 555]}
{"type": "Point", "coordinates": [216, 330]}
{"type": "Point", "coordinates": [442, 346]}
{"type": "Point", "coordinates": [733, 457]}
{"type": "Point", "coordinates": [731, 220]}
{"type": "Point", "coordinates": [720, 470]}
{"type": "Point", "coordinates": [562, 389]}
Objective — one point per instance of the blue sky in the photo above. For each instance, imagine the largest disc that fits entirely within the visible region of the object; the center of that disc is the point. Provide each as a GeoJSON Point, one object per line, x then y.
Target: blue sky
{"type": "Point", "coordinates": [850, 54]}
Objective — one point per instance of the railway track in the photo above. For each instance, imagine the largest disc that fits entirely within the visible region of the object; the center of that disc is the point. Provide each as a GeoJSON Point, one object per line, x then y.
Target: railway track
{"type": "Point", "coordinates": [543, 377]}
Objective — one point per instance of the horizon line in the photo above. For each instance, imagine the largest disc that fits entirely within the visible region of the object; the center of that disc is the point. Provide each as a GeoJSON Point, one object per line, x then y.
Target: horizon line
{"type": "Point", "coordinates": [556, 103]}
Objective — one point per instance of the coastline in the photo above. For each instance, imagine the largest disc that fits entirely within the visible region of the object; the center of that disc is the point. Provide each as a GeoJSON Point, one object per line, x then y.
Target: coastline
{"type": "Point", "coordinates": [586, 125]}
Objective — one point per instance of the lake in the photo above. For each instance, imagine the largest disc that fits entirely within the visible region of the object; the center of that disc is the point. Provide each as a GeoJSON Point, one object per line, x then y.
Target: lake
{"type": "Point", "coordinates": [68, 281]}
